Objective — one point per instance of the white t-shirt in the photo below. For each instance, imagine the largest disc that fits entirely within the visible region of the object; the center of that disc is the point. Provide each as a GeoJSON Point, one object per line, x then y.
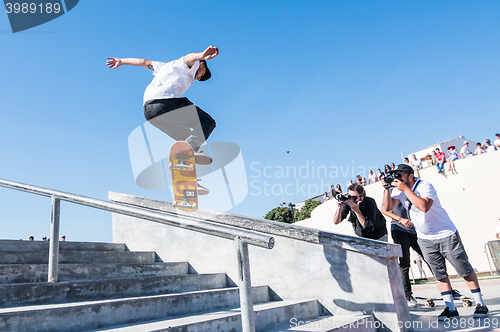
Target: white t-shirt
{"type": "Point", "coordinates": [171, 80]}
{"type": "Point", "coordinates": [434, 224]}
{"type": "Point", "coordinates": [497, 143]}
{"type": "Point", "coordinates": [491, 148]}
{"type": "Point", "coordinates": [465, 151]}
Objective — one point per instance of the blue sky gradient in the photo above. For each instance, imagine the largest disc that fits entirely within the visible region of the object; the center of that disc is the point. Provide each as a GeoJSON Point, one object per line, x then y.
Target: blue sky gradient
{"type": "Point", "coordinates": [337, 83]}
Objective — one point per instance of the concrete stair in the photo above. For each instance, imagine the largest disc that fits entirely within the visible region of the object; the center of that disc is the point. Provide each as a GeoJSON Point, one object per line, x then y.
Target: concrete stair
{"type": "Point", "coordinates": [104, 287]}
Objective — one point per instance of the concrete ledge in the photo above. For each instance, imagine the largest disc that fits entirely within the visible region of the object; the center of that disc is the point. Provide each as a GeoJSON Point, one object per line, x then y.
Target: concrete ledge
{"type": "Point", "coordinates": [352, 243]}
{"type": "Point", "coordinates": [95, 314]}
{"type": "Point", "coordinates": [74, 256]}
{"type": "Point", "coordinates": [13, 245]}
{"type": "Point", "coordinates": [25, 273]}
{"type": "Point", "coordinates": [64, 292]}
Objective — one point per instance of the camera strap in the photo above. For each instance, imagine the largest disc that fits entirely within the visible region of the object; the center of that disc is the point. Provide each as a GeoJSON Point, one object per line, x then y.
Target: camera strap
{"type": "Point", "coordinates": [410, 204]}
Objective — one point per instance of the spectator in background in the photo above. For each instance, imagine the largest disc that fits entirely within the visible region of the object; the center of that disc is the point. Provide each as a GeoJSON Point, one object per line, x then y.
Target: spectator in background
{"type": "Point", "coordinates": [452, 156]}
{"type": "Point", "coordinates": [379, 174]}
{"type": "Point", "coordinates": [417, 259]}
{"type": "Point", "coordinates": [479, 149]}
{"type": "Point", "coordinates": [32, 238]}
{"type": "Point", "coordinates": [488, 147]}
{"type": "Point", "coordinates": [387, 169]}
{"type": "Point", "coordinates": [333, 192]}
{"type": "Point", "coordinates": [350, 182]}
{"type": "Point", "coordinates": [440, 159]}
{"type": "Point", "coordinates": [338, 189]}
{"type": "Point", "coordinates": [63, 238]}
{"type": "Point", "coordinates": [464, 151]}
{"type": "Point", "coordinates": [415, 163]}
{"type": "Point", "coordinates": [497, 141]}
{"type": "Point", "coordinates": [406, 161]}
{"type": "Point", "coordinates": [393, 167]}
{"type": "Point", "coordinates": [372, 177]}
{"type": "Point", "coordinates": [360, 180]}
{"type": "Point", "coordinates": [44, 238]}
{"type": "Point", "coordinates": [325, 197]}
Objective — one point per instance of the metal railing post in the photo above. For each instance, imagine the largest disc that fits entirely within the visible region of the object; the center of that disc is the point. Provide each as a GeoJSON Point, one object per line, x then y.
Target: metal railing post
{"type": "Point", "coordinates": [54, 241]}
{"type": "Point", "coordinates": [245, 287]}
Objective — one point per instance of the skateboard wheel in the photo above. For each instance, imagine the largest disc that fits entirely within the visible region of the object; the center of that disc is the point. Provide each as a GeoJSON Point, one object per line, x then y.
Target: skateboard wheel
{"type": "Point", "coordinates": [195, 206]}
{"type": "Point", "coordinates": [191, 167]}
{"type": "Point", "coordinates": [467, 304]}
{"type": "Point", "coordinates": [175, 204]}
{"type": "Point", "coordinates": [428, 305]}
{"type": "Point", "coordinates": [433, 304]}
{"type": "Point", "coordinates": [170, 165]}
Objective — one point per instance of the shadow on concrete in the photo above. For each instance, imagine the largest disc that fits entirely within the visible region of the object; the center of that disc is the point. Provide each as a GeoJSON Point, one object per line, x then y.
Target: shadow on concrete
{"type": "Point", "coordinates": [366, 308]}
{"type": "Point", "coordinates": [339, 269]}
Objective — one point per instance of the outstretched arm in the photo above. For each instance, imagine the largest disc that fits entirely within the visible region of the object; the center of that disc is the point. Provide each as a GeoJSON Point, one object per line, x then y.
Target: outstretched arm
{"type": "Point", "coordinates": [210, 53]}
{"type": "Point", "coordinates": [117, 62]}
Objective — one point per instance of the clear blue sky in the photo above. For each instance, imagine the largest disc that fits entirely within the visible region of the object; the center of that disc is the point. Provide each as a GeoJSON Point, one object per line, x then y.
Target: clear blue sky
{"type": "Point", "coordinates": [336, 83]}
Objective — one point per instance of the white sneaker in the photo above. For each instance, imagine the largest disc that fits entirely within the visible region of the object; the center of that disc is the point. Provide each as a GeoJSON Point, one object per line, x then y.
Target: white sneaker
{"type": "Point", "coordinates": [411, 301]}
{"type": "Point", "coordinates": [202, 190]}
{"type": "Point", "coordinates": [202, 159]}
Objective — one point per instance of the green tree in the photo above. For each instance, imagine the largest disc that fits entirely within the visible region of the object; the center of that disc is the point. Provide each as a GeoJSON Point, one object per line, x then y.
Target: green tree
{"type": "Point", "coordinates": [281, 214]}
{"type": "Point", "coordinates": [306, 210]}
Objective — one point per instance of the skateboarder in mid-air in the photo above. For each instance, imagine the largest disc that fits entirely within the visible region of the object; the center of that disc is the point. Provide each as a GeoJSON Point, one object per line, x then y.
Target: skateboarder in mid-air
{"type": "Point", "coordinates": [164, 106]}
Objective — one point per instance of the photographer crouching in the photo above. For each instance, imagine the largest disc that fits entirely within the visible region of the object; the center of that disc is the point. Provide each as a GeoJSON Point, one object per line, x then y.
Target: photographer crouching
{"type": "Point", "coordinates": [364, 215]}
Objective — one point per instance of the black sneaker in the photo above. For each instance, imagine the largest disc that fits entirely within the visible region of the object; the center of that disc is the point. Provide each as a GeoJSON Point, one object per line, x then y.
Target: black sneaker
{"type": "Point", "coordinates": [448, 314]}
{"type": "Point", "coordinates": [481, 311]}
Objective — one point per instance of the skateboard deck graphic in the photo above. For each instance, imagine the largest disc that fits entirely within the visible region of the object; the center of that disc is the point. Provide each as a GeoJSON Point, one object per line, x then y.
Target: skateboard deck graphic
{"type": "Point", "coordinates": [183, 167]}
{"type": "Point", "coordinates": [430, 302]}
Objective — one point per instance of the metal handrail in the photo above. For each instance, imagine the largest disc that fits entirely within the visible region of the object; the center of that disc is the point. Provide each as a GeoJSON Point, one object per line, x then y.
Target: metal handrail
{"type": "Point", "coordinates": [242, 237]}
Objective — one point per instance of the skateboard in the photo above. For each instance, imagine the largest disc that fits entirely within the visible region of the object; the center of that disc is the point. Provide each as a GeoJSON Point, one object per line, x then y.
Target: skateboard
{"type": "Point", "coordinates": [430, 302]}
{"type": "Point", "coordinates": [183, 167]}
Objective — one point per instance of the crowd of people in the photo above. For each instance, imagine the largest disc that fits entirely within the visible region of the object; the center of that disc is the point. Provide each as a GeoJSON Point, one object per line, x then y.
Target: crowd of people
{"type": "Point", "coordinates": [436, 158]}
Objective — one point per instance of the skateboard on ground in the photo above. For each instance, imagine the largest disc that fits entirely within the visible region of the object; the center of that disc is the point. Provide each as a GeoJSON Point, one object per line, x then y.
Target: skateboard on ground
{"type": "Point", "coordinates": [183, 167]}
{"type": "Point", "coordinates": [430, 302]}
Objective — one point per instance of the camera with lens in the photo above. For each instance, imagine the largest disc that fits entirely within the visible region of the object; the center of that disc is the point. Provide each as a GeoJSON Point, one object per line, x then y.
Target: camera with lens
{"type": "Point", "coordinates": [342, 197]}
{"type": "Point", "coordinates": [389, 178]}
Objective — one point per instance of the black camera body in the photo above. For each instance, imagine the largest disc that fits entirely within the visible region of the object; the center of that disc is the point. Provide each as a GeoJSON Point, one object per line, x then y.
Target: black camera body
{"type": "Point", "coordinates": [389, 178]}
{"type": "Point", "coordinates": [342, 197]}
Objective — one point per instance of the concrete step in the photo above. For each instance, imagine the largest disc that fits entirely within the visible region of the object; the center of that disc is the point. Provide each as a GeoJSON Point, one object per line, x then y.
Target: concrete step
{"type": "Point", "coordinates": [24, 273]}
{"type": "Point", "coordinates": [96, 314]}
{"type": "Point", "coordinates": [19, 245]}
{"type": "Point", "coordinates": [267, 316]}
{"type": "Point", "coordinates": [337, 323]}
{"type": "Point", "coordinates": [74, 256]}
{"type": "Point", "coordinates": [14, 295]}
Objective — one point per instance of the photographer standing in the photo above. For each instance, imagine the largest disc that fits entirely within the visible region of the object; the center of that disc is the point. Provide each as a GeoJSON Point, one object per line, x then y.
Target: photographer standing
{"type": "Point", "coordinates": [438, 237]}
{"type": "Point", "coordinates": [367, 220]}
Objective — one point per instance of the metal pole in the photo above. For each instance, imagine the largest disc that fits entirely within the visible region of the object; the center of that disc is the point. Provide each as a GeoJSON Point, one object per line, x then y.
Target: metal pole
{"type": "Point", "coordinates": [54, 240]}
{"type": "Point", "coordinates": [486, 249]}
{"type": "Point", "coordinates": [245, 287]}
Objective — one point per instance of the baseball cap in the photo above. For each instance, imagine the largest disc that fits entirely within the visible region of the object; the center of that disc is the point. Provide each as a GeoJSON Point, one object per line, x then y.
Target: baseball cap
{"type": "Point", "coordinates": [207, 74]}
{"type": "Point", "coordinates": [403, 168]}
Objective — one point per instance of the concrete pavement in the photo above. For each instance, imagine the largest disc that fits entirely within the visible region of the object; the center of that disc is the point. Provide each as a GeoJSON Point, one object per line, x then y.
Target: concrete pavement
{"type": "Point", "coordinates": [425, 319]}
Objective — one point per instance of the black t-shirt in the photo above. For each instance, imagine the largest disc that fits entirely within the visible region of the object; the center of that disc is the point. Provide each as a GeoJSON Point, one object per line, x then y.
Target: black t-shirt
{"type": "Point", "coordinates": [374, 220]}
